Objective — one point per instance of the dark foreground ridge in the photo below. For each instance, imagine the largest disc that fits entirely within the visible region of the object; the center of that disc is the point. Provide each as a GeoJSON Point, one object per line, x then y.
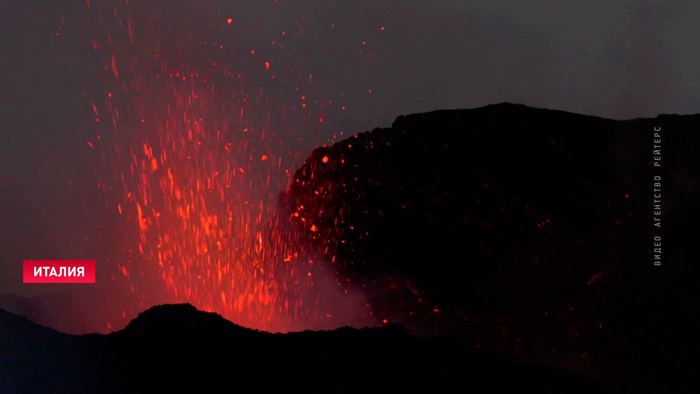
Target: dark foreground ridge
{"type": "Point", "coordinates": [176, 348]}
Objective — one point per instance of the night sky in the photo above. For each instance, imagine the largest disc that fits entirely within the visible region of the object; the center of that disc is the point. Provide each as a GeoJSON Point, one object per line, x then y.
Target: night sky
{"type": "Point", "coordinates": [619, 60]}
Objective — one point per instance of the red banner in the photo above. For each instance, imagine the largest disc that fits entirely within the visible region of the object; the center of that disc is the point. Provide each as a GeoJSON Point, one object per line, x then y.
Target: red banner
{"type": "Point", "coordinates": [59, 271]}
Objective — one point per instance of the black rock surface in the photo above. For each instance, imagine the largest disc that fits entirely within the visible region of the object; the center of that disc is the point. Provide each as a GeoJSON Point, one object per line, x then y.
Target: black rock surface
{"type": "Point", "coordinates": [527, 231]}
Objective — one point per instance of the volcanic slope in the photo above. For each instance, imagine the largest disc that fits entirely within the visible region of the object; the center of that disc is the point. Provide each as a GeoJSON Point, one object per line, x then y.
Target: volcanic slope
{"type": "Point", "coordinates": [527, 231]}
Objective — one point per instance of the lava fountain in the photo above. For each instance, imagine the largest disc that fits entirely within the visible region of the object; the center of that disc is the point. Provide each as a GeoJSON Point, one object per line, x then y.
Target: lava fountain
{"type": "Point", "coordinates": [197, 129]}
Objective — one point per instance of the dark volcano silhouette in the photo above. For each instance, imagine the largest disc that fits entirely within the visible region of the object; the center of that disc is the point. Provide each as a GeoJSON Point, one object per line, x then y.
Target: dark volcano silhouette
{"type": "Point", "coordinates": [528, 231]}
{"type": "Point", "coordinates": [176, 348]}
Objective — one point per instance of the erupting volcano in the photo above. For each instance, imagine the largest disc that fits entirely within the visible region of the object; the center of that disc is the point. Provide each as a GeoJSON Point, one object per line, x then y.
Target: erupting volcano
{"type": "Point", "coordinates": [197, 130]}
{"type": "Point", "coordinates": [206, 160]}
